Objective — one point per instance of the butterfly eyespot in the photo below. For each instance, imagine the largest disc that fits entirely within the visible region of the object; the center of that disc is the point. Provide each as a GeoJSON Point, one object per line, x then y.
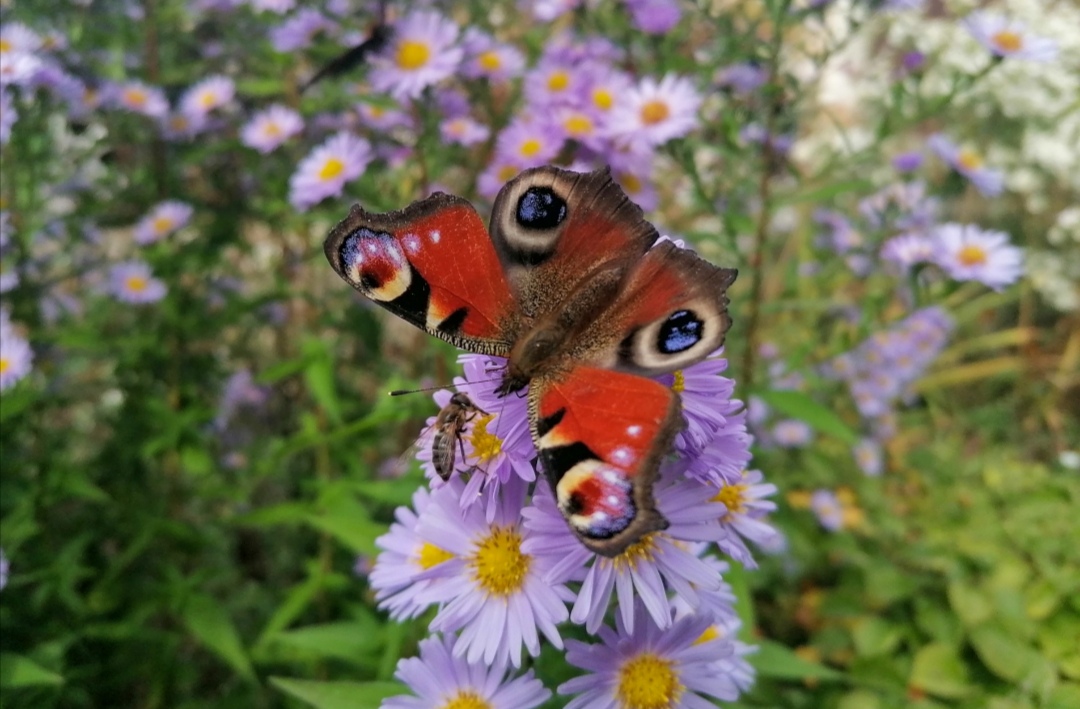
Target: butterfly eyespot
{"type": "Point", "coordinates": [540, 208]}
{"type": "Point", "coordinates": [681, 331]}
{"type": "Point", "coordinates": [373, 261]}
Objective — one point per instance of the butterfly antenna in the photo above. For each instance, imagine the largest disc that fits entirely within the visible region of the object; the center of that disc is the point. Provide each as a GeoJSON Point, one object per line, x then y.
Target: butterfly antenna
{"type": "Point", "coordinates": [403, 392]}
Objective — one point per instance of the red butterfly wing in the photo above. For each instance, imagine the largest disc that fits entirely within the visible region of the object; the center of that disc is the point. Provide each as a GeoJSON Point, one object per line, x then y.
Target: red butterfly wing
{"type": "Point", "coordinates": [432, 264]}
{"type": "Point", "coordinates": [601, 435]}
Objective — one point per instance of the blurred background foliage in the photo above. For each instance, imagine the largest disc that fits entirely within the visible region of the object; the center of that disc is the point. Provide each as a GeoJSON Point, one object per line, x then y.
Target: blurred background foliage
{"type": "Point", "coordinates": [191, 488]}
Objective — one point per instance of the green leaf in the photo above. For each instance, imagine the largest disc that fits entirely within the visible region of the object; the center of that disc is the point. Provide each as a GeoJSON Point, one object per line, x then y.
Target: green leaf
{"type": "Point", "coordinates": [969, 603]}
{"type": "Point", "coordinates": [338, 695]}
{"type": "Point", "coordinates": [20, 671]}
{"type": "Point", "coordinates": [873, 636]}
{"type": "Point", "coordinates": [798, 405]}
{"type": "Point", "coordinates": [1006, 656]}
{"type": "Point", "coordinates": [774, 660]}
{"type": "Point", "coordinates": [348, 641]}
{"type": "Point", "coordinates": [937, 669]}
{"type": "Point", "coordinates": [208, 621]}
{"type": "Point", "coordinates": [319, 377]}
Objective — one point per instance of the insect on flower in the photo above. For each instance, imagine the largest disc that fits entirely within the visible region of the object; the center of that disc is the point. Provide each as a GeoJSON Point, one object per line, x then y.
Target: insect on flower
{"type": "Point", "coordinates": [449, 429]}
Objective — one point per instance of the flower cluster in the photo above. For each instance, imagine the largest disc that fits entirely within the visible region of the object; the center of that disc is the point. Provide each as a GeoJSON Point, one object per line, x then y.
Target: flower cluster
{"type": "Point", "coordinates": [490, 549]}
{"type": "Point", "coordinates": [882, 368]}
{"type": "Point", "coordinates": [16, 357]}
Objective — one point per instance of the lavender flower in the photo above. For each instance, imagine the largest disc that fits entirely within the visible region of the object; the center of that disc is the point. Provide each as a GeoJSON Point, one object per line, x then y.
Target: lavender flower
{"type": "Point", "coordinates": [421, 54]}
{"type": "Point", "coordinates": [441, 678]}
{"type": "Point", "coordinates": [868, 456]}
{"type": "Point", "coordinates": [650, 666]}
{"type": "Point", "coordinates": [487, 58]}
{"type": "Point", "coordinates": [16, 357]}
{"type": "Point", "coordinates": [528, 142]}
{"type": "Point", "coordinates": [299, 31]}
{"type": "Point", "coordinates": [829, 511]}
{"type": "Point", "coordinates": [654, 16]}
{"type": "Point", "coordinates": [209, 94]}
{"type": "Point", "coordinates": [656, 112]}
{"type": "Point", "coordinates": [269, 128]}
{"type": "Point", "coordinates": [133, 282]}
{"type": "Point", "coordinates": [324, 172]}
{"type": "Point", "coordinates": [968, 163]}
{"type": "Point", "coordinates": [163, 219]}
{"type": "Point", "coordinates": [137, 97]}
{"type": "Point", "coordinates": [1009, 38]}
{"type": "Point", "coordinates": [968, 253]}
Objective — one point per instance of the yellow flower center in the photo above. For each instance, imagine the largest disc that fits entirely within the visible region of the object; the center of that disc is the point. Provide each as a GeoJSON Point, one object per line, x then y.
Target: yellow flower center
{"type": "Point", "coordinates": [136, 284]}
{"type": "Point", "coordinates": [272, 129]}
{"type": "Point", "coordinates": [648, 682]}
{"type": "Point", "coordinates": [654, 112]}
{"type": "Point", "coordinates": [486, 445]}
{"type": "Point", "coordinates": [1007, 41]}
{"type": "Point", "coordinates": [578, 124]}
{"type": "Point", "coordinates": [530, 147]}
{"type": "Point", "coordinates": [162, 225]}
{"type": "Point", "coordinates": [558, 81]}
{"type": "Point", "coordinates": [603, 99]}
{"type": "Point", "coordinates": [489, 61]}
{"type": "Point", "coordinates": [499, 566]}
{"type": "Point", "coordinates": [207, 100]}
{"type": "Point", "coordinates": [5, 45]}
{"type": "Point", "coordinates": [632, 184]}
{"type": "Point", "coordinates": [135, 97]}
{"type": "Point", "coordinates": [431, 555]}
{"type": "Point", "coordinates": [642, 550]}
{"type": "Point", "coordinates": [376, 111]}
{"type": "Point", "coordinates": [969, 160]}
{"type": "Point", "coordinates": [506, 172]}
{"type": "Point", "coordinates": [178, 122]}
{"type": "Point", "coordinates": [5, 365]}
{"type": "Point", "coordinates": [679, 384]}
{"type": "Point", "coordinates": [732, 497]}
{"type": "Point", "coordinates": [466, 699]}
{"type": "Point", "coordinates": [711, 633]}
{"type": "Point", "coordinates": [972, 255]}
{"type": "Point", "coordinates": [412, 55]}
{"type": "Point", "coordinates": [332, 168]}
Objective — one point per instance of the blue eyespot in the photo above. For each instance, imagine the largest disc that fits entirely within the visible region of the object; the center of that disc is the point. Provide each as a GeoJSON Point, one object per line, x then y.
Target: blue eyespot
{"type": "Point", "coordinates": [540, 208]}
{"type": "Point", "coordinates": [681, 331]}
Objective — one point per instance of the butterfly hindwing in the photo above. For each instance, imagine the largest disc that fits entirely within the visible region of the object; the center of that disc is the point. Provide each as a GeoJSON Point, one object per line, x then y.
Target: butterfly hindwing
{"type": "Point", "coordinates": [601, 435]}
{"type": "Point", "coordinates": [431, 264]}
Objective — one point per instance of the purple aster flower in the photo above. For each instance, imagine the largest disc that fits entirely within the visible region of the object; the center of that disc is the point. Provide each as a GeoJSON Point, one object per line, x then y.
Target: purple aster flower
{"type": "Point", "coordinates": [493, 591]}
{"type": "Point", "coordinates": [398, 574]}
{"type": "Point", "coordinates": [605, 90]}
{"type": "Point", "coordinates": [381, 117]}
{"type": "Point", "coordinates": [18, 68]}
{"type": "Point", "coordinates": [792, 433]}
{"type": "Point", "coordinates": [868, 456]}
{"type": "Point", "coordinates": [271, 127]}
{"type": "Point", "coordinates": [829, 511]}
{"type": "Point", "coordinates": [639, 188]}
{"type": "Point", "coordinates": [17, 38]}
{"type": "Point", "coordinates": [137, 97]}
{"type": "Point", "coordinates": [912, 62]}
{"type": "Point", "coordinates": [16, 356]}
{"type": "Point", "coordinates": [463, 130]}
{"type": "Point", "coordinates": [501, 170]}
{"type": "Point", "coordinates": [656, 112]}
{"type": "Point", "coordinates": [163, 219]}
{"type": "Point", "coordinates": [908, 250]}
{"type": "Point", "coordinates": [840, 236]}
{"type": "Point", "coordinates": [658, 563]}
{"type": "Point", "coordinates": [654, 16]}
{"type": "Point", "coordinates": [646, 665]}
{"type": "Point", "coordinates": [487, 58]}
{"type": "Point", "coordinates": [8, 281]}
{"type": "Point", "coordinates": [421, 54]}
{"type": "Point", "coordinates": [707, 404]}
{"type": "Point", "coordinates": [211, 93]}
{"type": "Point", "coordinates": [1003, 37]}
{"type": "Point", "coordinates": [133, 282]}
{"type": "Point", "coordinates": [744, 78]}
{"type": "Point", "coordinates": [528, 142]}
{"type": "Point", "coordinates": [441, 678]}
{"type": "Point", "coordinates": [554, 81]}
{"type": "Point", "coordinates": [902, 205]}
{"type": "Point", "coordinates": [241, 392]}
{"type": "Point", "coordinates": [326, 169]}
{"type": "Point", "coordinates": [968, 163]}
{"type": "Point", "coordinates": [907, 162]}
{"type": "Point", "coordinates": [548, 10]}
{"type": "Point", "coordinates": [968, 253]}
{"type": "Point", "coordinates": [181, 126]}
{"type": "Point", "coordinates": [744, 519]}
{"type": "Point", "coordinates": [299, 31]}
{"type": "Point", "coordinates": [8, 116]}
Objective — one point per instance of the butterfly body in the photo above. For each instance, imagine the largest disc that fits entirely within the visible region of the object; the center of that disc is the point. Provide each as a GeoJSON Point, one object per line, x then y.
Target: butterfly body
{"type": "Point", "coordinates": [449, 428]}
{"type": "Point", "coordinates": [569, 285]}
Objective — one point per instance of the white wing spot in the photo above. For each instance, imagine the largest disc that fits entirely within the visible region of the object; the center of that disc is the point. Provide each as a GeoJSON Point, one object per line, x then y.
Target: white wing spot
{"type": "Point", "coordinates": [412, 243]}
{"type": "Point", "coordinates": [613, 499]}
{"type": "Point", "coordinates": [633, 431]}
{"type": "Point", "coordinates": [435, 236]}
{"type": "Point", "coordinates": [611, 476]}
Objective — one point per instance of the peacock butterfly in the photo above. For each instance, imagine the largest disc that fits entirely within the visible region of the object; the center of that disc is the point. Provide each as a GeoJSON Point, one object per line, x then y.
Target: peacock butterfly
{"type": "Point", "coordinates": [449, 428]}
{"type": "Point", "coordinates": [570, 285]}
